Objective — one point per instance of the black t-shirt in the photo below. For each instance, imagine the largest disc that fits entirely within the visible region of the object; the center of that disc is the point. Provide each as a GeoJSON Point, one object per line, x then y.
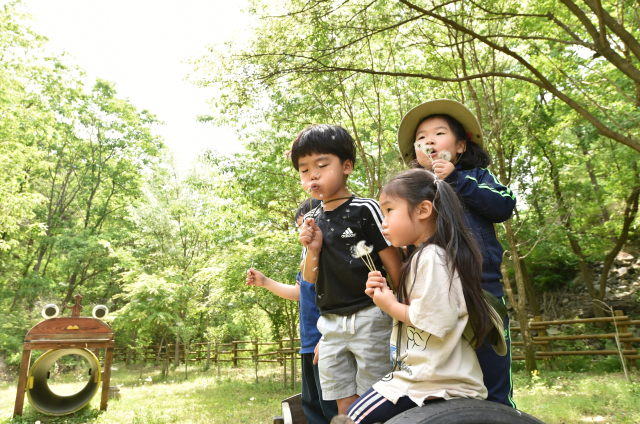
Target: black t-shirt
{"type": "Point", "coordinates": [342, 279]}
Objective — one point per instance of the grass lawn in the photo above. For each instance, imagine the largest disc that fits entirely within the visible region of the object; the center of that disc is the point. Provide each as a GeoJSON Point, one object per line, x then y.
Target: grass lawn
{"type": "Point", "coordinates": [554, 397]}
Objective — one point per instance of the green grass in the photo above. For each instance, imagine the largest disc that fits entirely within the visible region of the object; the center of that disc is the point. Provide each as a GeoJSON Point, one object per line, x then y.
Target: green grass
{"type": "Point", "coordinates": [203, 398]}
{"type": "Point", "coordinates": [553, 396]}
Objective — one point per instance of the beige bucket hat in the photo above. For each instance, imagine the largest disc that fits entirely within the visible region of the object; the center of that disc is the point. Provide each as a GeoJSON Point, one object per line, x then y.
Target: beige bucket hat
{"type": "Point", "coordinates": [409, 123]}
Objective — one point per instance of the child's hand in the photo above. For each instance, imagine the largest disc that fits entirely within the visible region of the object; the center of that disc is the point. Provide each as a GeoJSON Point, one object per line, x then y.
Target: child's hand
{"type": "Point", "coordinates": [311, 235]}
{"type": "Point", "coordinates": [424, 160]}
{"type": "Point", "coordinates": [255, 278]}
{"type": "Point", "coordinates": [442, 168]}
{"type": "Point", "coordinates": [384, 298]}
{"type": "Point", "coordinates": [316, 354]}
{"type": "Point", "coordinates": [375, 281]}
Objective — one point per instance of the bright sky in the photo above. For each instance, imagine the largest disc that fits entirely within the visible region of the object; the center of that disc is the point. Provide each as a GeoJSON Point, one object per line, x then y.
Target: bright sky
{"type": "Point", "coordinates": [143, 46]}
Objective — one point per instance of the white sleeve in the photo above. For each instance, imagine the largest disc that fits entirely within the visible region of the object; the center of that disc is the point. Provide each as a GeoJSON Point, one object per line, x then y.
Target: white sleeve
{"type": "Point", "coordinates": [434, 308]}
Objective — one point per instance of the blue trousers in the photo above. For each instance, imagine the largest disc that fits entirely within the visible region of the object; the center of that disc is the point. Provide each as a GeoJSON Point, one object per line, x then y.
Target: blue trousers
{"type": "Point", "coordinates": [316, 410]}
{"type": "Point", "coordinates": [497, 370]}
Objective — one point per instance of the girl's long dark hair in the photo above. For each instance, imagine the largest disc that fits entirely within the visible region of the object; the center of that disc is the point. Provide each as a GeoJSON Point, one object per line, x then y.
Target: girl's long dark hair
{"type": "Point", "coordinates": [474, 156]}
{"type": "Point", "coordinates": [452, 235]}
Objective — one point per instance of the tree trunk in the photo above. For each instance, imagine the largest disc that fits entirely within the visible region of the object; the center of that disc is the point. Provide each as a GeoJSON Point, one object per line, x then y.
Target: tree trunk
{"type": "Point", "coordinates": [521, 309]}
{"type": "Point", "coordinates": [159, 350]}
{"type": "Point", "coordinates": [532, 296]}
{"type": "Point", "coordinates": [176, 361]}
{"type": "Point", "coordinates": [208, 343]}
{"type": "Point", "coordinates": [186, 359]}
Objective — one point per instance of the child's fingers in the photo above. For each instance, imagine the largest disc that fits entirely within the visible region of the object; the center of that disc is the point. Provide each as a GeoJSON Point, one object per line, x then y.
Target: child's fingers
{"type": "Point", "coordinates": [316, 354]}
{"type": "Point", "coordinates": [375, 274]}
{"type": "Point", "coordinates": [374, 282]}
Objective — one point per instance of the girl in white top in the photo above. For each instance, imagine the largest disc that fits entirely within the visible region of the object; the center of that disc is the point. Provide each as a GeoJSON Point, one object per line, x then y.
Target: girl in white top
{"type": "Point", "coordinates": [438, 294]}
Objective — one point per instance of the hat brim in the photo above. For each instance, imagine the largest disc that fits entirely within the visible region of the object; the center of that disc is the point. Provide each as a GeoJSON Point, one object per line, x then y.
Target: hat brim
{"type": "Point", "coordinates": [410, 121]}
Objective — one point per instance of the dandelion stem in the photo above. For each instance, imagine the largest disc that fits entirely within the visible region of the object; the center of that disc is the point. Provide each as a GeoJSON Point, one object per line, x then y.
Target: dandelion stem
{"type": "Point", "coordinates": [366, 263]}
{"type": "Point", "coordinates": [373, 266]}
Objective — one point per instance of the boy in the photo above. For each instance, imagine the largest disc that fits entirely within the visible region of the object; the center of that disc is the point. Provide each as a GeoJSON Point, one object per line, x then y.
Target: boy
{"type": "Point", "coordinates": [316, 410]}
{"type": "Point", "coordinates": [354, 349]}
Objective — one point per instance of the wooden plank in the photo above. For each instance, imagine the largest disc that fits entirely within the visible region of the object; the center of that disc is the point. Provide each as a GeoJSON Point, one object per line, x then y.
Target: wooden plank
{"type": "Point", "coordinates": [70, 328]}
{"type": "Point", "coordinates": [535, 343]}
{"type": "Point", "coordinates": [268, 354]}
{"type": "Point", "coordinates": [22, 381]}
{"type": "Point", "coordinates": [42, 345]}
{"type": "Point", "coordinates": [582, 336]}
{"type": "Point", "coordinates": [106, 379]}
{"type": "Point", "coordinates": [535, 324]}
{"type": "Point", "coordinates": [585, 352]}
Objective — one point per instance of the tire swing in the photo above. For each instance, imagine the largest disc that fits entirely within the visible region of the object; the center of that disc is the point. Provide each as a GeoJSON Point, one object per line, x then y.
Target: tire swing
{"type": "Point", "coordinates": [60, 337]}
{"type": "Point", "coordinates": [463, 411]}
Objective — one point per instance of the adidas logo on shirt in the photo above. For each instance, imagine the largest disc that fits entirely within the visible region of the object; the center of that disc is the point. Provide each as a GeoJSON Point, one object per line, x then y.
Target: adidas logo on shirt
{"type": "Point", "coordinates": [348, 233]}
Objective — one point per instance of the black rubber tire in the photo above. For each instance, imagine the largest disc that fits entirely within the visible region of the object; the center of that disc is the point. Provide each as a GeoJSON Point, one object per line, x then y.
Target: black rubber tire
{"type": "Point", "coordinates": [463, 411]}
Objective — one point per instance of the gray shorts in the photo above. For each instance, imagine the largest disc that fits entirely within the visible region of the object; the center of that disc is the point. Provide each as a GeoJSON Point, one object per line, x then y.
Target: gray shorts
{"type": "Point", "coordinates": [354, 352]}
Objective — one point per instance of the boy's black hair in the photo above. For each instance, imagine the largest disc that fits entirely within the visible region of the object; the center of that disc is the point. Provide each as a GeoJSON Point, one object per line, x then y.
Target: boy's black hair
{"type": "Point", "coordinates": [302, 210]}
{"type": "Point", "coordinates": [474, 156]}
{"type": "Point", "coordinates": [323, 138]}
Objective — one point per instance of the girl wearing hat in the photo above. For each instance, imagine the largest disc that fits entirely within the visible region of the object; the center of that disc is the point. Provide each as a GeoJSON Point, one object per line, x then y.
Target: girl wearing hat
{"type": "Point", "coordinates": [444, 136]}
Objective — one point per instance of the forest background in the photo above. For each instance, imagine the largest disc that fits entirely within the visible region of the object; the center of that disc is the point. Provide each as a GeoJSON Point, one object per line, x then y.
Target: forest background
{"type": "Point", "coordinates": [91, 200]}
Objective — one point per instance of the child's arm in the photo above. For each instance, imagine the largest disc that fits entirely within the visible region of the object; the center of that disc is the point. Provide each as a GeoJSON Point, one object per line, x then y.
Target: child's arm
{"type": "Point", "coordinates": [258, 279]}
{"type": "Point", "coordinates": [392, 261]}
{"type": "Point", "coordinates": [311, 238]}
{"type": "Point", "coordinates": [481, 192]}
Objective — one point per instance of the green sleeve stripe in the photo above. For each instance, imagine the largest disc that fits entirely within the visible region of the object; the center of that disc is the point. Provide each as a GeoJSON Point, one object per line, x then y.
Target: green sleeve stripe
{"type": "Point", "coordinates": [508, 193]}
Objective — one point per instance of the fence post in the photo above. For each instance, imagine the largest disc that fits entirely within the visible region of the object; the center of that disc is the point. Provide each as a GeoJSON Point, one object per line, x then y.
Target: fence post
{"type": "Point", "coordinates": [235, 353]}
{"type": "Point", "coordinates": [256, 357]}
{"type": "Point", "coordinates": [293, 363]}
{"type": "Point", "coordinates": [284, 362]}
{"type": "Point", "coordinates": [218, 357]}
{"type": "Point", "coordinates": [542, 332]}
{"type": "Point", "coordinates": [627, 345]}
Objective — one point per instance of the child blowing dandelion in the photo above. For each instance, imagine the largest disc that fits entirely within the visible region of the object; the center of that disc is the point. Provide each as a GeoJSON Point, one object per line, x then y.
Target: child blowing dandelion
{"type": "Point", "coordinates": [449, 129]}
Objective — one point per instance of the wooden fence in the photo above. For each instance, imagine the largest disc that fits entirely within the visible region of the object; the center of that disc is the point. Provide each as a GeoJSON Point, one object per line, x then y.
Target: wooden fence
{"type": "Point", "coordinates": [546, 350]}
{"type": "Point", "coordinates": [286, 354]}
{"type": "Point", "coordinates": [282, 352]}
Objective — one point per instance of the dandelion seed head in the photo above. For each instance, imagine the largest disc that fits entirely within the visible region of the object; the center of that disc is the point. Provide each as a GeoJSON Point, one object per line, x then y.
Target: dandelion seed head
{"type": "Point", "coordinates": [333, 137]}
{"type": "Point", "coordinates": [445, 155]}
{"type": "Point", "coordinates": [427, 150]}
{"type": "Point", "coordinates": [361, 249]}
